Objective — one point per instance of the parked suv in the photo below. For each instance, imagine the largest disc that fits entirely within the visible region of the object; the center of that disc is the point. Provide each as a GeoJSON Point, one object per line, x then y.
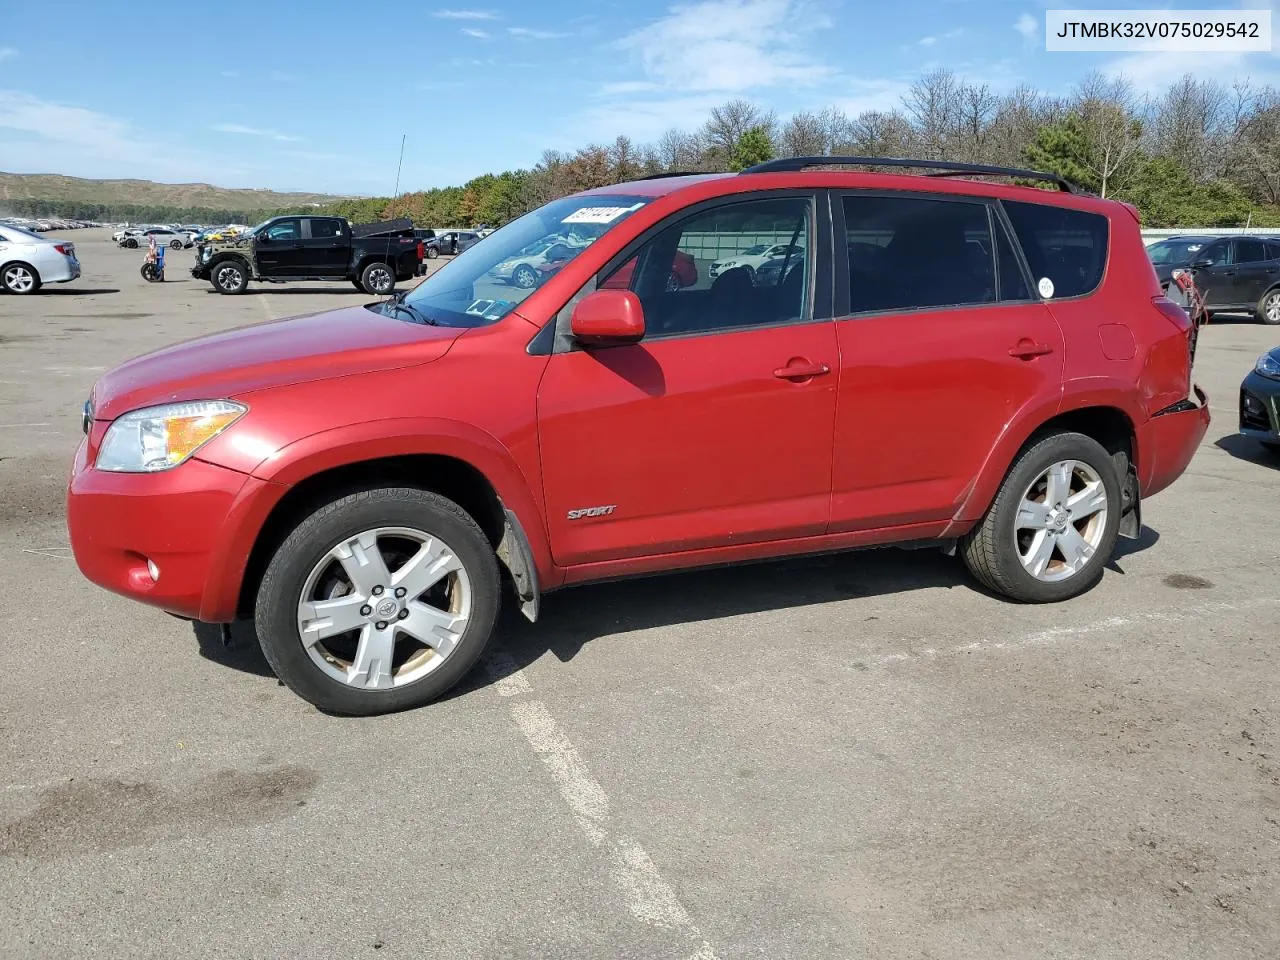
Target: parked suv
{"type": "Point", "coordinates": [989, 368]}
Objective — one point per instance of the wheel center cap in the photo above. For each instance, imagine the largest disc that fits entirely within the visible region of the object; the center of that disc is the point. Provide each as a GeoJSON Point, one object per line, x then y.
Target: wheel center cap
{"type": "Point", "coordinates": [386, 608]}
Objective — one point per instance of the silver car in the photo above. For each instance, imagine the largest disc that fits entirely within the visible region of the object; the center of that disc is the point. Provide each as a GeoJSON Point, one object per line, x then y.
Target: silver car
{"type": "Point", "coordinates": [28, 260]}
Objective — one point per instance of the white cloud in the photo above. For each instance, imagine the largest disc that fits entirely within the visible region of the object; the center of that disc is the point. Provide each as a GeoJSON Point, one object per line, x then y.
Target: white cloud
{"type": "Point", "coordinates": [528, 33]}
{"type": "Point", "coordinates": [928, 41]}
{"type": "Point", "coordinates": [625, 87]}
{"type": "Point", "coordinates": [465, 15]}
{"type": "Point", "coordinates": [42, 134]}
{"type": "Point", "coordinates": [730, 46]}
{"type": "Point", "coordinates": [1029, 27]}
{"type": "Point", "coordinates": [861, 95]}
{"type": "Point", "coordinates": [472, 32]}
{"type": "Point", "coordinates": [7, 53]}
{"type": "Point", "coordinates": [255, 132]}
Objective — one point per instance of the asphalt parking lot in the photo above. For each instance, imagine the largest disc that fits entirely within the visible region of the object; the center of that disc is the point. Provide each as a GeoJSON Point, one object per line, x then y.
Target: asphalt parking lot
{"type": "Point", "coordinates": [853, 756]}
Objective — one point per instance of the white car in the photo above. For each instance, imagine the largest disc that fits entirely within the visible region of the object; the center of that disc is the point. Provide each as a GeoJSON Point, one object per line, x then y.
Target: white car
{"type": "Point", "coordinates": [751, 258]}
{"type": "Point", "coordinates": [28, 261]}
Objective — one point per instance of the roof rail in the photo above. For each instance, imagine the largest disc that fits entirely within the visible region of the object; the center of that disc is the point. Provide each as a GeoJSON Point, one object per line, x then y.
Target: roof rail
{"type": "Point", "coordinates": [671, 173]}
{"type": "Point", "coordinates": [944, 168]}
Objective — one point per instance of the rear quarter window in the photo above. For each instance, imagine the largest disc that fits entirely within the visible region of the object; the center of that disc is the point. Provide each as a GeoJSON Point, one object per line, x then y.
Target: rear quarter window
{"type": "Point", "coordinates": [1068, 247]}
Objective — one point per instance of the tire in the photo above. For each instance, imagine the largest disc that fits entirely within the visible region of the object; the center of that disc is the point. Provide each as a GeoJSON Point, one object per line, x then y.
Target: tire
{"type": "Point", "coordinates": [150, 272]}
{"type": "Point", "coordinates": [432, 253]}
{"type": "Point", "coordinates": [524, 277]}
{"type": "Point", "coordinates": [229, 276]}
{"type": "Point", "coordinates": [175, 244]}
{"type": "Point", "coordinates": [131, 243]}
{"type": "Point", "coordinates": [20, 278]}
{"type": "Point", "coordinates": [302, 563]}
{"type": "Point", "coordinates": [994, 549]}
{"type": "Point", "coordinates": [358, 285]}
{"type": "Point", "coordinates": [377, 279]}
{"type": "Point", "coordinates": [1269, 307]}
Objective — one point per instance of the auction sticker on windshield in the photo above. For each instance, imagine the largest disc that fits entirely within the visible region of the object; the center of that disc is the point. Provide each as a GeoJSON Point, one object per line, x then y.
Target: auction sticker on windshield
{"type": "Point", "coordinates": [599, 214]}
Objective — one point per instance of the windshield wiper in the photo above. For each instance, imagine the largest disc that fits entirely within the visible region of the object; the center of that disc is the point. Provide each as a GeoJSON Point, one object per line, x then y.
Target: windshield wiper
{"type": "Point", "coordinates": [397, 305]}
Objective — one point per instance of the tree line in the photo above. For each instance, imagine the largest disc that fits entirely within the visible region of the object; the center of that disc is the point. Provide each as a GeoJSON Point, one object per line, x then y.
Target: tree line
{"type": "Point", "coordinates": [1200, 154]}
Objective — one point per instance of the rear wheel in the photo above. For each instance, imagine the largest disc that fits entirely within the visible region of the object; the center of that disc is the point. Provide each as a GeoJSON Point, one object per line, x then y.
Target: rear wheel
{"type": "Point", "coordinates": [175, 244]}
{"type": "Point", "coordinates": [377, 279]}
{"type": "Point", "coordinates": [379, 601]}
{"type": "Point", "coordinates": [1053, 525]}
{"type": "Point", "coordinates": [1269, 307]}
{"type": "Point", "coordinates": [525, 277]}
{"type": "Point", "coordinates": [20, 278]}
{"type": "Point", "coordinates": [230, 276]}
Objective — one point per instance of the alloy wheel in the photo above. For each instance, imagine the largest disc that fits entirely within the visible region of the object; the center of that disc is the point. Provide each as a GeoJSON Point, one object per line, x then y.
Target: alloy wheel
{"type": "Point", "coordinates": [19, 279]}
{"type": "Point", "coordinates": [1271, 308]}
{"type": "Point", "coordinates": [1061, 521]}
{"type": "Point", "coordinates": [384, 608]}
{"type": "Point", "coordinates": [228, 278]}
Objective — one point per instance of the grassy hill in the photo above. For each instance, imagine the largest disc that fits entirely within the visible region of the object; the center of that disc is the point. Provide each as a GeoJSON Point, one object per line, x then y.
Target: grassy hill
{"type": "Point", "coordinates": [48, 186]}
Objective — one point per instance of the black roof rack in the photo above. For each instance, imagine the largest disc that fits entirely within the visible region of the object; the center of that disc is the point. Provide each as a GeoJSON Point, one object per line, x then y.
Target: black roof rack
{"type": "Point", "coordinates": [672, 173]}
{"type": "Point", "coordinates": [944, 168]}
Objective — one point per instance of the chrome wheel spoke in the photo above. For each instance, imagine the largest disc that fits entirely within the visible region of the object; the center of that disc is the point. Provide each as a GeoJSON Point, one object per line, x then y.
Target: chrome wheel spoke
{"type": "Point", "coordinates": [321, 619]}
{"type": "Point", "coordinates": [1058, 482]}
{"type": "Point", "coordinates": [1092, 499]}
{"type": "Point", "coordinates": [1076, 551]}
{"type": "Point", "coordinates": [431, 564]}
{"type": "Point", "coordinates": [1039, 553]}
{"type": "Point", "coordinates": [363, 563]}
{"type": "Point", "coordinates": [372, 665]}
{"type": "Point", "coordinates": [438, 629]}
{"type": "Point", "coordinates": [1032, 516]}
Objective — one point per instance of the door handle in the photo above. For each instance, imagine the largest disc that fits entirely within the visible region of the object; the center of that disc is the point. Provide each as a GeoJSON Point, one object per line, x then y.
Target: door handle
{"type": "Point", "coordinates": [798, 368]}
{"type": "Point", "coordinates": [1027, 349]}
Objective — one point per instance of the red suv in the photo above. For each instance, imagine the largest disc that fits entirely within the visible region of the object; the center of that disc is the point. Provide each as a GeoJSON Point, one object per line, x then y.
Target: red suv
{"type": "Point", "coordinates": [989, 367]}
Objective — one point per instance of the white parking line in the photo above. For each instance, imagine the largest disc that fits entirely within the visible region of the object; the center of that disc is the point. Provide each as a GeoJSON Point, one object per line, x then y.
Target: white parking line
{"type": "Point", "coordinates": [649, 897]}
{"type": "Point", "coordinates": [1056, 635]}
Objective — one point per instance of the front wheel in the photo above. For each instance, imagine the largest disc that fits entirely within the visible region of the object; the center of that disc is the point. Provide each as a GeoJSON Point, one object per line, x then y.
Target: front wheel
{"type": "Point", "coordinates": [131, 243]}
{"type": "Point", "coordinates": [1269, 307]}
{"type": "Point", "coordinates": [230, 277]}
{"type": "Point", "coordinates": [175, 244]}
{"type": "Point", "coordinates": [1053, 525]}
{"type": "Point", "coordinates": [432, 253]}
{"type": "Point", "coordinates": [377, 279]}
{"type": "Point", "coordinates": [525, 277]}
{"type": "Point", "coordinates": [380, 601]}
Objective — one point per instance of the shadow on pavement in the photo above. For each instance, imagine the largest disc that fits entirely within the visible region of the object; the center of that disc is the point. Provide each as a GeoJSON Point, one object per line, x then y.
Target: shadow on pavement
{"type": "Point", "coordinates": [51, 291]}
{"type": "Point", "coordinates": [1250, 450]}
{"type": "Point", "coordinates": [572, 618]}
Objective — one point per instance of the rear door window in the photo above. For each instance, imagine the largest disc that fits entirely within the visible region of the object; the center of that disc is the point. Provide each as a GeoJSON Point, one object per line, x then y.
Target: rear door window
{"type": "Point", "coordinates": [325, 229]}
{"type": "Point", "coordinates": [1250, 251]}
{"type": "Point", "coordinates": [915, 253]}
{"type": "Point", "coordinates": [1067, 248]}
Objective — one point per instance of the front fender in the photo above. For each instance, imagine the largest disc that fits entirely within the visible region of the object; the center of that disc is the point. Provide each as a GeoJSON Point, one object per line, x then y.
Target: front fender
{"type": "Point", "coordinates": [405, 436]}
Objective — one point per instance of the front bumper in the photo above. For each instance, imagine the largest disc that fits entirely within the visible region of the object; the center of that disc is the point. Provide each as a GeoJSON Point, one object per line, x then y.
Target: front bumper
{"type": "Point", "coordinates": [200, 270]}
{"type": "Point", "coordinates": [176, 519]}
{"type": "Point", "coordinates": [1260, 408]}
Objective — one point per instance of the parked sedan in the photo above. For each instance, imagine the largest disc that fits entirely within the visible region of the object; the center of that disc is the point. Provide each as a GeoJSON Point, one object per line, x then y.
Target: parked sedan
{"type": "Point", "coordinates": [162, 234]}
{"type": "Point", "coordinates": [28, 261]}
{"type": "Point", "coordinates": [1260, 401]}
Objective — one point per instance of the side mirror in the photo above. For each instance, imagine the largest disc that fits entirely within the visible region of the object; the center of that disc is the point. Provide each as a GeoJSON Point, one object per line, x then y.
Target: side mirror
{"type": "Point", "coordinates": [262, 237]}
{"type": "Point", "coordinates": [1201, 264]}
{"type": "Point", "coordinates": [608, 317]}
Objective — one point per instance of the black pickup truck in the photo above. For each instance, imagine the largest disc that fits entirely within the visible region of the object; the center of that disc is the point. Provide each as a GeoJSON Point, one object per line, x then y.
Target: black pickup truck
{"type": "Point", "coordinates": [373, 256]}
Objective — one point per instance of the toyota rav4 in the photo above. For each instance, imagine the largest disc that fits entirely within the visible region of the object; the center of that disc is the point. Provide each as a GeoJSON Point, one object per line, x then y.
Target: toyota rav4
{"type": "Point", "coordinates": [987, 366]}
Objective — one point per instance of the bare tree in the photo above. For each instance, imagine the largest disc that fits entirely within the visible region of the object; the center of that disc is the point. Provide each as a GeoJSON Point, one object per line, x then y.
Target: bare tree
{"type": "Point", "coordinates": [678, 150]}
{"type": "Point", "coordinates": [729, 121]}
{"type": "Point", "coordinates": [1190, 124]}
{"type": "Point", "coordinates": [879, 134]}
{"type": "Point", "coordinates": [976, 111]}
{"type": "Point", "coordinates": [1112, 133]}
{"type": "Point", "coordinates": [624, 159]}
{"type": "Point", "coordinates": [1255, 151]}
{"type": "Point", "coordinates": [803, 136]}
{"type": "Point", "coordinates": [933, 105]}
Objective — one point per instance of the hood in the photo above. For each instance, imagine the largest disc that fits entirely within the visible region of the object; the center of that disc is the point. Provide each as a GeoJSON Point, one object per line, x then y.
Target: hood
{"type": "Point", "coordinates": [225, 365]}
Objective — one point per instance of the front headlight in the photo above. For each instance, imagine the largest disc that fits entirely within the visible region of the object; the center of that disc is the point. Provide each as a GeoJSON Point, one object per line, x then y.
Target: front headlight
{"type": "Point", "coordinates": [160, 438]}
{"type": "Point", "coordinates": [1268, 366]}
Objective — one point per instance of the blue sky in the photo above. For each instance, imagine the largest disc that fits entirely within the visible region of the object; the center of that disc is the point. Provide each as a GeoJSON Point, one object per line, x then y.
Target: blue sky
{"type": "Point", "coordinates": [316, 95]}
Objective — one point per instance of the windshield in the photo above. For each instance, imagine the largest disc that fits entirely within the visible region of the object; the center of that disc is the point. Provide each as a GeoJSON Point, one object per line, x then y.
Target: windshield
{"type": "Point", "coordinates": [474, 290]}
{"type": "Point", "coordinates": [1173, 251]}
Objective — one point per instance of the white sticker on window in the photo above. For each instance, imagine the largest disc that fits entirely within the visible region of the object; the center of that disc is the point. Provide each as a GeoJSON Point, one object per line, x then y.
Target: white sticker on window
{"type": "Point", "coordinates": [1046, 287]}
{"type": "Point", "coordinates": [599, 214]}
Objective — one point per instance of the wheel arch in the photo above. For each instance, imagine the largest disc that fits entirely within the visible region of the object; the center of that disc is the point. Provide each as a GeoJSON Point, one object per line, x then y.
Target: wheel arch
{"type": "Point", "coordinates": [477, 475]}
{"type": "Point", "coordinates": [1104, 420]}
{"type": "Point", "coordinates": [19, 262]}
